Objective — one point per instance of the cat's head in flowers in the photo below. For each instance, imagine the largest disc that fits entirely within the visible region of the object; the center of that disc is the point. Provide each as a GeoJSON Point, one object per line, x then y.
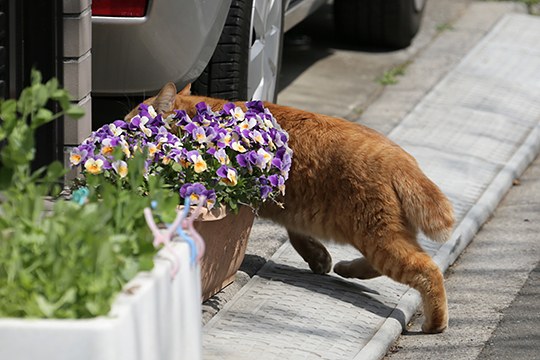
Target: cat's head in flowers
{"type": "Point", "coordinates": [229, 153]}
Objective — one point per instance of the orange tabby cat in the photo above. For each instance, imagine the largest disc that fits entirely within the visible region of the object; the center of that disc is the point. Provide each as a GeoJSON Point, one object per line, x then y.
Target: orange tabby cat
{"type": "Point", "coordinates": [352, 185]}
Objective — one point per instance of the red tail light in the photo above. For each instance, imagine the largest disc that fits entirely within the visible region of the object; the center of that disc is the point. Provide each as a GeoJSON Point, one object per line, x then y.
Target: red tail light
{"type": "Point", "coordinates": [124, 8]}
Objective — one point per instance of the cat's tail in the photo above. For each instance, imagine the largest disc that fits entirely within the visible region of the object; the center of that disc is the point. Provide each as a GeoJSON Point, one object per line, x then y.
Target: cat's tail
{"type": "Point", "coordinates": [424, 204]}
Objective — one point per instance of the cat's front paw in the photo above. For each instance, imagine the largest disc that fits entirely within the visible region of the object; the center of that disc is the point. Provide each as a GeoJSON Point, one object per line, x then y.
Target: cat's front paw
{"type": "Point", "coordinates": [322, 265]}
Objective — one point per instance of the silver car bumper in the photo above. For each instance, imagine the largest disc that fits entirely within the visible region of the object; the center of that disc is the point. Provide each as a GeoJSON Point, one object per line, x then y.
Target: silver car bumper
{"type": "Point", "coordinates": [173, 42]}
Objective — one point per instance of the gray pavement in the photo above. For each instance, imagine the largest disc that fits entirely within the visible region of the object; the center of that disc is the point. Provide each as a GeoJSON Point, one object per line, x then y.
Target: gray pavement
{"type": "Point", "coordinates": [284, 311]}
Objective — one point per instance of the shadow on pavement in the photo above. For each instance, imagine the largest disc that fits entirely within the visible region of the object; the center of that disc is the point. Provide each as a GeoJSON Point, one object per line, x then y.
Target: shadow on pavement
{"type": "Point", "coordinates": [333, 286]}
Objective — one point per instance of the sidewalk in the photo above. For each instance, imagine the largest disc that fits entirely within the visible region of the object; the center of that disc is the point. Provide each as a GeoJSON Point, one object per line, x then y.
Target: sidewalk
{"type": "Point", "coordinates": [473, 133]}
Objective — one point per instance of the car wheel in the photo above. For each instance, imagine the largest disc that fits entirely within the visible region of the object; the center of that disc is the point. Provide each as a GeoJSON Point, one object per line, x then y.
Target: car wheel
{"type": "Point", "coordinates": [387, 23]}
{"type": "Point", "coordinates": [245, 64]}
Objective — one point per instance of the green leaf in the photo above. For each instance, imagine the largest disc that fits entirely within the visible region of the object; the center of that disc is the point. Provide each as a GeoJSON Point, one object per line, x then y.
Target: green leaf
{"type": "Point", "coordinates": [26, 280]}
{"type": "Point", "coordinates": [37, 174]}
{"type": "Point", "coordinates": [46, 308]}
{"type": "Point", "coordinates": [24, 104]}
{"type": "Point", "coordinates": [20, 148]}
{"type": "Point", "coordinates": [146, 262]}
{"type": "Point", "coordinates": [8, 108]}
{"type": "Point", "coordinates": [75, 112]}
{"type": "Point", "coordinates": [41, 96]}
{"type": "Point", "coordinates": [177, 167]}
{"type": "Point", "coordinates": [6, 176]}
{"type": "Point", "coordinates": [52, 86]}
{"type": "Point", "coordinates": [54, 171]}
{"type": "Point", "coordinates": [8, 118]}
{"type": "Point", "coordinates": [59, 94]}
{"type": "Point", "coordinates": [69, 297]}
{"type": "Point", "coordinates": [35, 77]}
{"type": "Point", "coordinates": [93, 307]}
{"type": "Point", "coordinates": [130, 269]}
{"type": "Point", "coordinates": [42, 117]}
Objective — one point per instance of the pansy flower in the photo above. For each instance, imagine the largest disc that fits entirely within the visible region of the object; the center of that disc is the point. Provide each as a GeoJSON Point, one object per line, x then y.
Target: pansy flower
{"type": "Point", "coordinates": [237, 146]}
{"type": "Point", "coordinates": [256, 159]}
{"type": "Point", "coordinates": [117, 128]}
{"type": "Point", "coordinates": [121, 168]}
{"type": "Point", "coordinates": [77, 156]}
{"type": "Point", "coordinates": [210, 198]}
{"type": "Point", "coordinates": [152, 149]}
{"type": "Point", "coordinates": [277, 181]}
{"type": "Point", "coordinates": [247, 124]}
{"type": "Point", "coordinates": [245, 149]}
{"type": "Point", "coordinates": [94, 166]}
{"type": "Point", "coordinates": [244, 162]}
{"type": "Point", "coordinates": [198, 162]}
{"type": "Point", "coordinates": [256, 106]}
{"type": "Point", "coordinates": [258, 137]}
{"type": "Point", "coordinates": [222, 156]}
{"type": "Point", "coordinates": [228, 175]}
{"type": "Point", "coordinates": [225, 140]}
{"type": "Point", "coordinates": [108, 145]}
{"type": "Point", "coordinates": [267, 157]}
{"type": "Point", "coordinates": [238, 114]}
{"type": "Point", "coordinates": [141, 122]}
{"type": "Point", "coordinates": [193, 191]}
{"type": "Point", "coordinates": [264, 187]}
{"type": "Point", "coordinates": [152, 112]}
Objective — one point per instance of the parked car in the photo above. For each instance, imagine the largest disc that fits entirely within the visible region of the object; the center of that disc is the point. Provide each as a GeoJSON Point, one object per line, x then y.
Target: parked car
{"type": "Point", "coordinates": [227, 48]}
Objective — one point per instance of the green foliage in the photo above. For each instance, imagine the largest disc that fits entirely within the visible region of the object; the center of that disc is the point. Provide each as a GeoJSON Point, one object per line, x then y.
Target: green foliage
{"type": "Point", "coordinates": [444, 27]}
{"type": "Point", "coordinates": [72, 261]}
{"type": "Point", "coordinates": [69, 261]}
{"type": "Point", "coordinates": [390, 77]}
{"type": "Point", "coordinates": [19, 120]}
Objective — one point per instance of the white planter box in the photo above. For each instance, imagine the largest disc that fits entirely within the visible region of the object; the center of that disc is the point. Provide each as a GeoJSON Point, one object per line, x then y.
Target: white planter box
{"type": "Point", "coordinates": [159, 318]}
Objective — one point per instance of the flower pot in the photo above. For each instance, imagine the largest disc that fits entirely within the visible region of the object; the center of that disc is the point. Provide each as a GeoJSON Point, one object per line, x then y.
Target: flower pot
{"type": "Point", "coordinates": [155, 317]}
{"type": "Point", "coordinates": [226, 235]}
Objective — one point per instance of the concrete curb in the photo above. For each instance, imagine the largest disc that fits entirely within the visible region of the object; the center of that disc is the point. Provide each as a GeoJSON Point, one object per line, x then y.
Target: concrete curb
{"type": "Point", "coordinates": [391, 329]}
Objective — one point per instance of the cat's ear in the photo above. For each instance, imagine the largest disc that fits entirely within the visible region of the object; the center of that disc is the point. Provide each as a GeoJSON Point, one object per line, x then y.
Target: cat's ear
{"type": "Point", "coordinates": [186, 91]}
{"type": "Point", "coordinates": [164, 101]}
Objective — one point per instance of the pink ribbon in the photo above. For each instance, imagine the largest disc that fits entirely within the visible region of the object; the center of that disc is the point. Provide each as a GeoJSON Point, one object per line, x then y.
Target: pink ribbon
{"type": "Point", "coordinates": [179, 224]}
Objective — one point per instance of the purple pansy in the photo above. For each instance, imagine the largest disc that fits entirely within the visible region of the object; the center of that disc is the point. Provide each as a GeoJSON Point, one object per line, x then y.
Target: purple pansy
{"type": "Point", "coordinates": [243, 161]}
{"type": "Point", "coordinates": [256, 159]}
{"type": "Point", "coordinates": [194, 191]}
{"type": "Point", "coordinates": [256, 106]}
{"type": "Point", "coordinates": [196, 156]}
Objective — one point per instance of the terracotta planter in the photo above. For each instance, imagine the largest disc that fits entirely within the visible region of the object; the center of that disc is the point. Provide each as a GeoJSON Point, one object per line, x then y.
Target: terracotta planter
{"type": "Point", "coordinates": [226, 235]}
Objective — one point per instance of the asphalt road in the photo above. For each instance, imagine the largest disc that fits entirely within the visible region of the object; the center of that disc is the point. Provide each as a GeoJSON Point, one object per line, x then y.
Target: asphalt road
{"type": "Point", "coordinates": [517, 336]}
{"type": "Point", "coordinates": [493, 286]}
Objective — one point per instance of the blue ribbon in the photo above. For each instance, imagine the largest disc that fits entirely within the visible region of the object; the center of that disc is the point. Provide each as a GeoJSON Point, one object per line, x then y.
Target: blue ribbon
{"type": "Point", "coordinates": [185, 236]}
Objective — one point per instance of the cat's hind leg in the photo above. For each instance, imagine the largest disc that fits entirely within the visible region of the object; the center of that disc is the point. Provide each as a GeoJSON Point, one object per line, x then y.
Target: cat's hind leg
{"type": "Point", "coordinates": [312, 251]}
{"type": "Point", "coordinates": [358, 268]}
{"type": "Point", "coordinates": [400, 257]}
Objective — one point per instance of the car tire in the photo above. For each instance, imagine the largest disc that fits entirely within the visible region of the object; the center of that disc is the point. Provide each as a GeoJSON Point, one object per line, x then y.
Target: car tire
{"type": "Point", "coordinates": [384, 23]}
{"type": "Point", "coordinates": [245, 64]}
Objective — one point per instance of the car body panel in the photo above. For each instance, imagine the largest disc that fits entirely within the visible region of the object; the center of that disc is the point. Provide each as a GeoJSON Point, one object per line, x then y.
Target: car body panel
{"type": "Point", "coordinates": [134, 56]}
